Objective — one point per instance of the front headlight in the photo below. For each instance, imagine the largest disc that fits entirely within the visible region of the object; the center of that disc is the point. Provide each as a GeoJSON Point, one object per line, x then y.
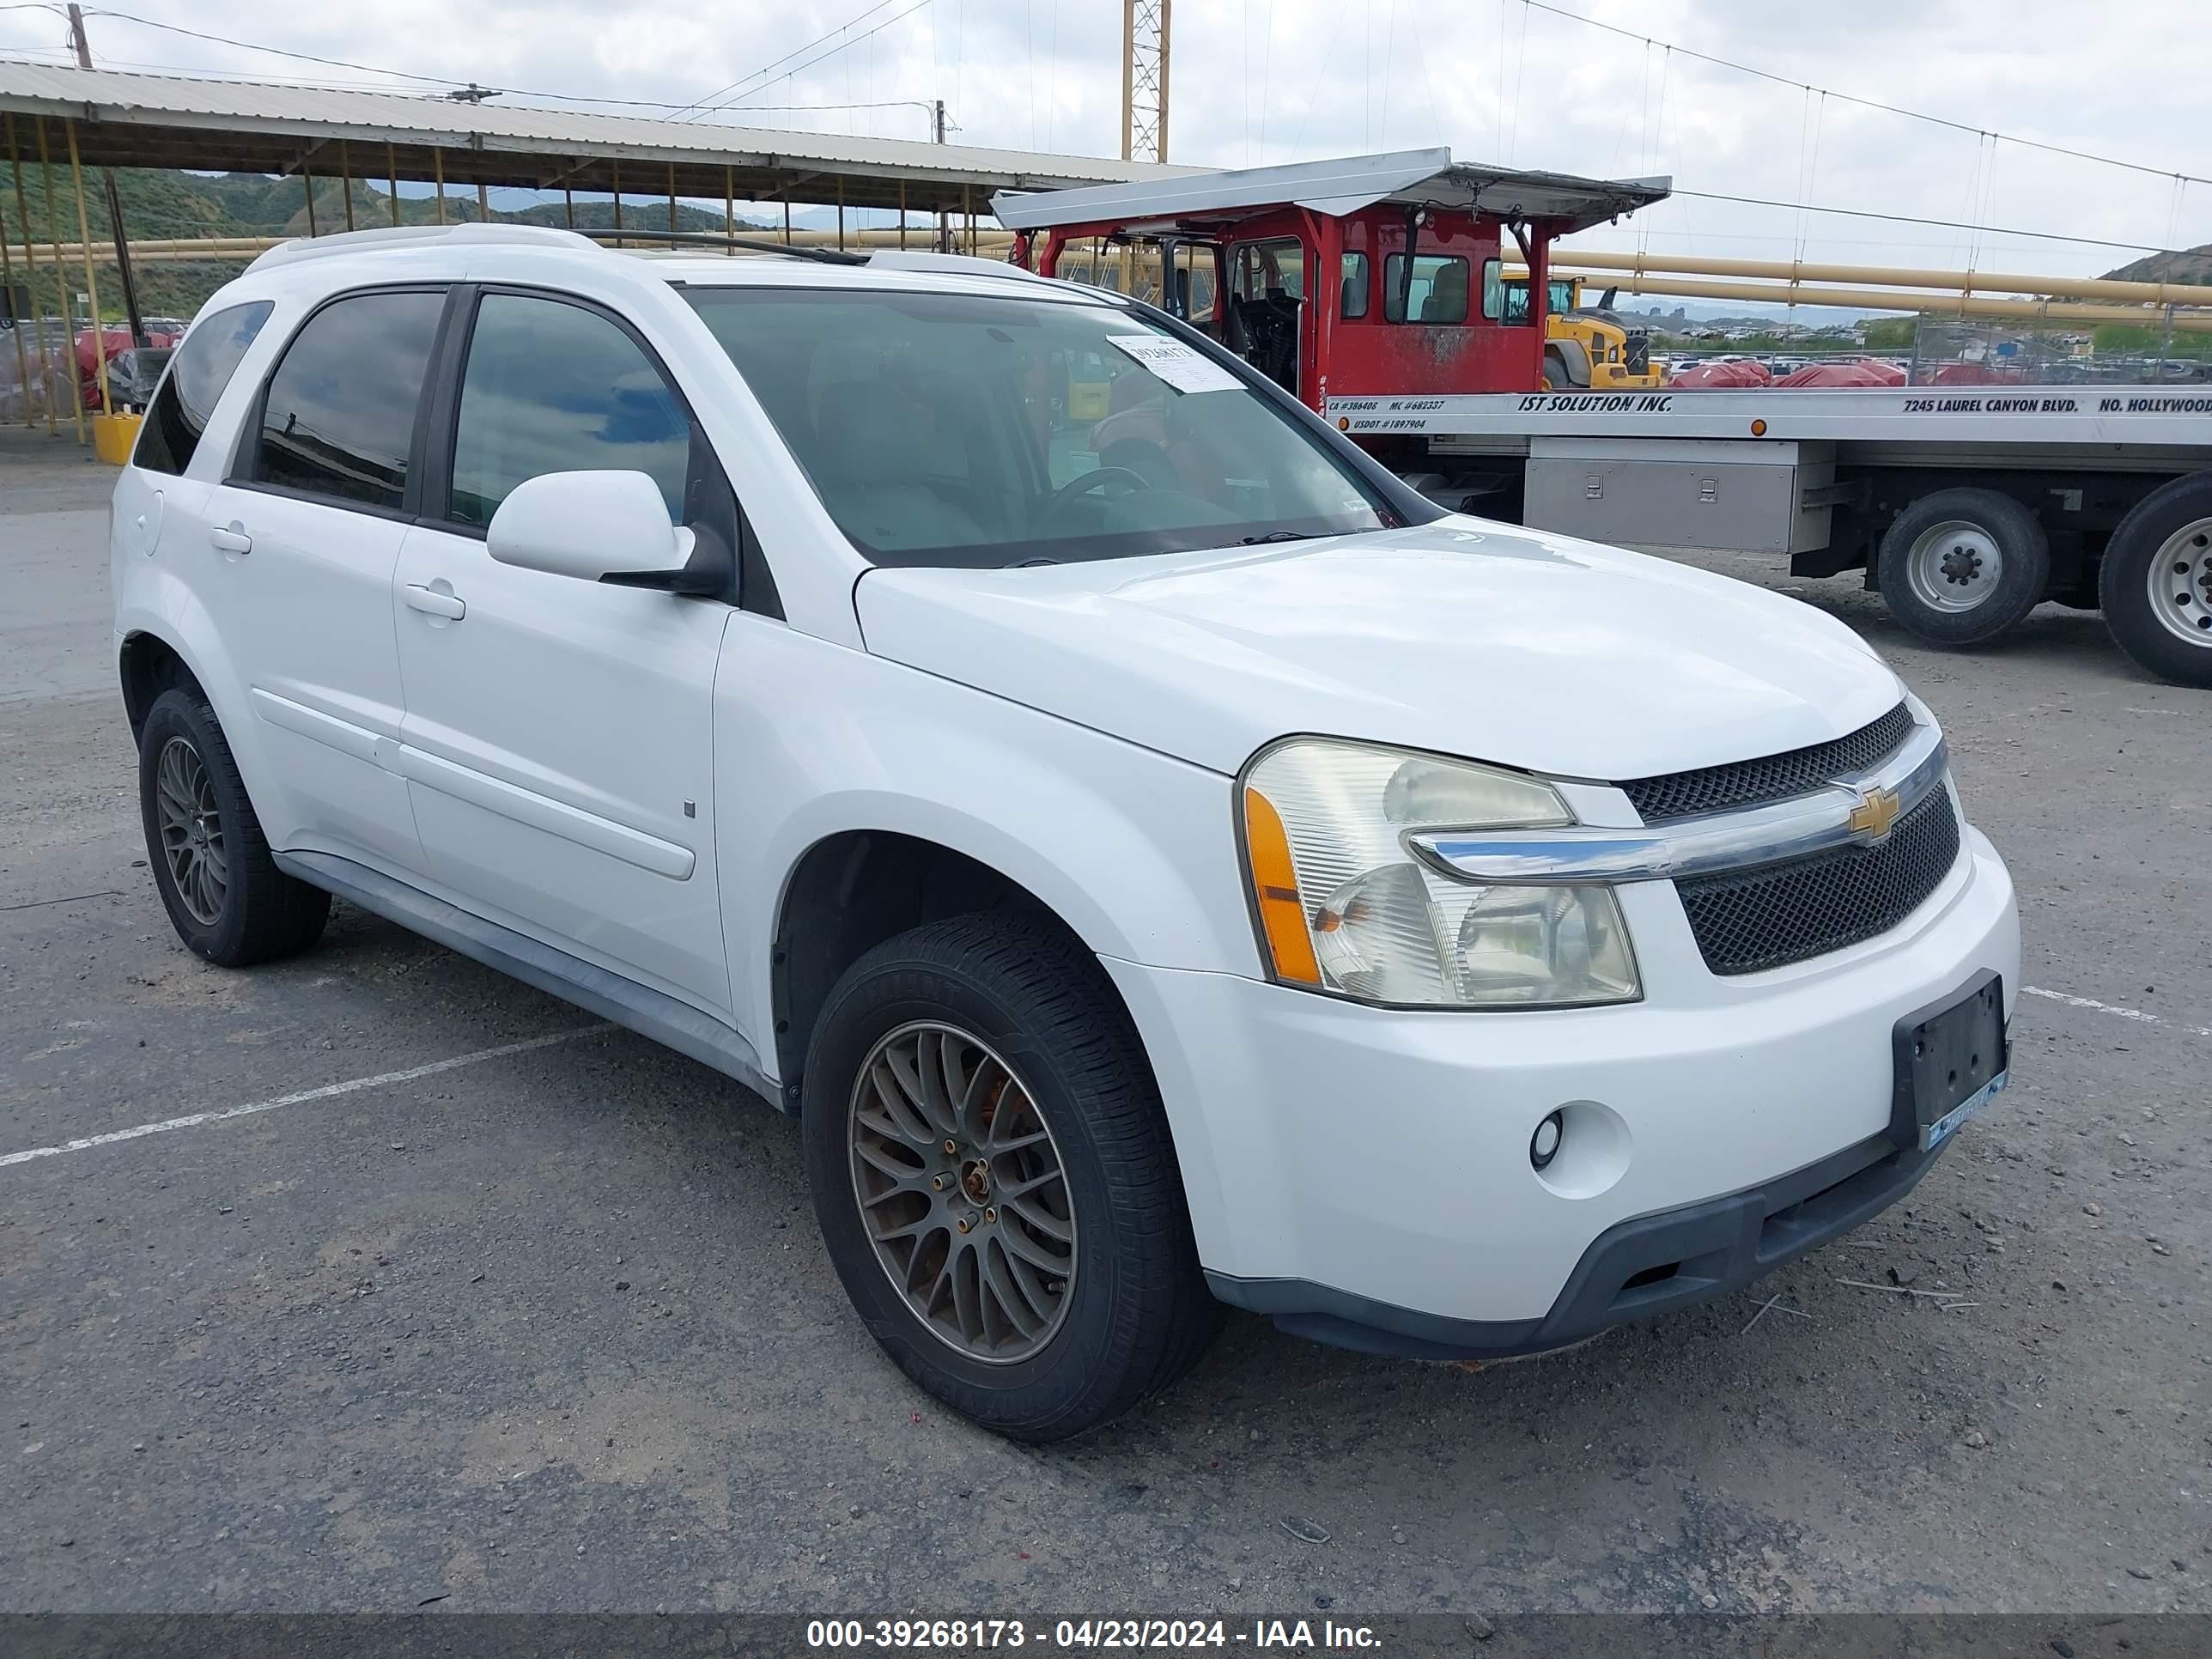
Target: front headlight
{"type": "Point", "coordinates": [1343, 905]}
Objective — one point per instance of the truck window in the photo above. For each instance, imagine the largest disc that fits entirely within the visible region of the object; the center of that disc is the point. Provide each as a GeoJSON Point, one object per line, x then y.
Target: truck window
{"type": "Point", "coordinates": [1438, 292]}
{"type": "Point", "coordinates": [1352, 283]}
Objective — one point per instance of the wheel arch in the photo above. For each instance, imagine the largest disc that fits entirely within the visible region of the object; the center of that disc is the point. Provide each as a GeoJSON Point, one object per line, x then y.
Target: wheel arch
{"type": "Point", "coordinates": [147, 664]}
{"type": "Point", "coordinates": [852, 889]}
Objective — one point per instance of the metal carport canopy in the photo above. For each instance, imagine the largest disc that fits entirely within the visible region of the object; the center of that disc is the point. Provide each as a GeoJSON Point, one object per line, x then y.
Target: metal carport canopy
{"type": "Point", "coordinates": [1339, 187]}
{"type": "Point", "coordinates": [212, 125]}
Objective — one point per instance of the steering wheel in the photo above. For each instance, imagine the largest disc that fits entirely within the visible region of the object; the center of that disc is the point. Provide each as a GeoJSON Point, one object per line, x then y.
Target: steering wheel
{"type": "Point", "coordinates": [1076, 487]}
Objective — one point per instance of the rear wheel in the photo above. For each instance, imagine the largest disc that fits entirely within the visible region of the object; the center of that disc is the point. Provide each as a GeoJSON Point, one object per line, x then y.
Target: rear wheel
{"type": "Point", "coordinates": [1960, 566]}
{"type": "Point", "coordinates": [2156, 581]}
{"type": "Point", "coordinates": [225, 896]}
{"type": "Point", "coordinates": [994, 1180]}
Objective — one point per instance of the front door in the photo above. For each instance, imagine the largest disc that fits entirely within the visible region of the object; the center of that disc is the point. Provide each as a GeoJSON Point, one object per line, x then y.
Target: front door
{"type": "Point", "coordinates": [1266, 301]}
{"type": "Point", "coordinates": [558, 740]}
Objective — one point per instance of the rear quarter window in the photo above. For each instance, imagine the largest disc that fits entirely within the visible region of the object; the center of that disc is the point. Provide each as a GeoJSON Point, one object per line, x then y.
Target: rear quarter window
{"type": "Point", "coordinates": [214, 347]}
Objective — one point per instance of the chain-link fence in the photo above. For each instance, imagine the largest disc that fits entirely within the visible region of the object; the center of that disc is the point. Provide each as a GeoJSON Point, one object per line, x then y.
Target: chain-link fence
{"type": "Point", "coordinates": [1956, 352]}
{"type": "Point", "coordinates": [35, 357]}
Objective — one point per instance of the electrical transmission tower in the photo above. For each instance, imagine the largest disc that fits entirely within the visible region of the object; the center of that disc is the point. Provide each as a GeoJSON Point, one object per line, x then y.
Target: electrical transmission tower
{"type": "Point", "coordinates": [1145, 25]}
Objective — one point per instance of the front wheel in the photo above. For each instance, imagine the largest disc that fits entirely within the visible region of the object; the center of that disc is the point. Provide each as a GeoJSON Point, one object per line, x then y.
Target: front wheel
{"type": "Point", "coordinates": [2156, 581]}
{"type": "Point", "coordinates": [994, 1180]}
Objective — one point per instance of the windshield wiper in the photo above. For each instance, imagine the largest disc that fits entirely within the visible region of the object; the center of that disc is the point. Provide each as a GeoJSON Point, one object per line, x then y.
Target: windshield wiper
{"type": "Point", "coordinates": [1283, 536]}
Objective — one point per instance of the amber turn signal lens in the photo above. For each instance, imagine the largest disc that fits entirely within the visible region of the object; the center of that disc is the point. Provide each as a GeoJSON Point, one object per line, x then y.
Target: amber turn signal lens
{"type": "Point", "coordinates": [1275, 889]}
{"type": "Point", "coordinates": [1759, 428]}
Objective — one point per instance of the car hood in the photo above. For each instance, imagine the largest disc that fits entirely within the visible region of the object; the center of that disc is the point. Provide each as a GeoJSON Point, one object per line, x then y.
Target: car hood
{"type": "Point", "coordinates": [1468, 638]}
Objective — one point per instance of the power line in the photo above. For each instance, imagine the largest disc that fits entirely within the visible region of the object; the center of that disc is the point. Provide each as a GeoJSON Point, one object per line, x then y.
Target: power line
{"type": "Point", "coordinates": [800, 69]}
{"type": "Point", "coordinates": [1866, 103]}
{"type": "Point", "coordinates": [1908, 219]}
{"type": "Point", "coordinates": [703, 104]}
{"type": "Point", "coordinates": [277, 51]}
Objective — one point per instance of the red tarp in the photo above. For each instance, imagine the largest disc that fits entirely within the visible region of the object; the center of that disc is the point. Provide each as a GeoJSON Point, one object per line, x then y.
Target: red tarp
{"type": "Point", "coordinates": [1844, 373]}
{"type": "Point", "coordinates": [1733, 375]}
{"type": "Point", "coordinates": [111, 340]}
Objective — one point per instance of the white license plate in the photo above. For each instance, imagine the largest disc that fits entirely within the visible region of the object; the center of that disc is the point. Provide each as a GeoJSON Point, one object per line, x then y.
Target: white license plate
{"type": "Point", "coordinates": [1933, 1135]}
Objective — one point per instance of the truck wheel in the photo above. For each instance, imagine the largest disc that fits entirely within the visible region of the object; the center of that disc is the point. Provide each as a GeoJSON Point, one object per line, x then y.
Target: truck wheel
{"type": "Point", "coordinates": [226, 897]}
{"type": "Point", "coordinates": [2156, 581]}
{"type": "Point", "coordinates": [1960, 566]}
{"type": "Point", "coordinates": [994, 1179]}
{"type": "Point", "coordinates": [1556, 378]}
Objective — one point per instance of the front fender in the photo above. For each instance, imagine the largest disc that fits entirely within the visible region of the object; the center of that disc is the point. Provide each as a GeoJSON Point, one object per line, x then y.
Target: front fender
{"type": "Point", "coordinates": [1134, 850]}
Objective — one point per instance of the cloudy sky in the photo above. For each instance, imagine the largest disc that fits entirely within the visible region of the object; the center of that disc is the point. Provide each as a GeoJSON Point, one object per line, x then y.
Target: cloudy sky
{"type": "Point", "coordinates": [1497, 80]}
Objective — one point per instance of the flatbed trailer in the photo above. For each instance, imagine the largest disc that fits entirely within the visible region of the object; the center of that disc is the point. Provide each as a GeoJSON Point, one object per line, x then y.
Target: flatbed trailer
{"type": "Point", "coordinates": [1964, 506]}
{"type": "Point", "coordinates": [1373, 290]}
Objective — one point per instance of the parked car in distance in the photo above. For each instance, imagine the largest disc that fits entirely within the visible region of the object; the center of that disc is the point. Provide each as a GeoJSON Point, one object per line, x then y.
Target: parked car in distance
{"type": "Point", "coordinates": [1215, 877]}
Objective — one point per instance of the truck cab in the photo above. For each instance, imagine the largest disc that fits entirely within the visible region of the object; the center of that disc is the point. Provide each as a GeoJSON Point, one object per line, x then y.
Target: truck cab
{"type": "Point", "coordinates": [1367, 276]}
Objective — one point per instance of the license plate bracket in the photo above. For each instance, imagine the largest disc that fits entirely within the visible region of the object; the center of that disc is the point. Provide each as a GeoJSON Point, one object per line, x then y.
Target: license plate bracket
{"type": "Point", "coordinates": [1951, 1059]}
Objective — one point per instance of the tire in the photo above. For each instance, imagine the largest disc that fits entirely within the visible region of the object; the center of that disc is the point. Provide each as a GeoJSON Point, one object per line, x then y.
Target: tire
{"type": "Point", "coordinates": [1960, 566]}
{"type": "Point", "coordinates": [1127, 1311]}
{"type": "Point", "coordinates": [226, 897]}
{"type": "Point", "coordinates": [1556, 378]}
{"type": "Point", "coordinates": [2167, 535]}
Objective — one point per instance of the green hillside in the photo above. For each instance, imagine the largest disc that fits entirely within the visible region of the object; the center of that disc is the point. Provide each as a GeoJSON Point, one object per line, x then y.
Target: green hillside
{"type": "Point", "coordinates": [2188, 265]}
{"type": "Point", "coordinates": [160, 204]}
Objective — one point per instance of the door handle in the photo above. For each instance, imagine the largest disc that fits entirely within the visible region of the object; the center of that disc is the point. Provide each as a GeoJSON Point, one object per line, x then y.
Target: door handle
{"type": "Point", "coordinates": [231, 537]}
{"type": "Point", "coordinates": [435, 604]}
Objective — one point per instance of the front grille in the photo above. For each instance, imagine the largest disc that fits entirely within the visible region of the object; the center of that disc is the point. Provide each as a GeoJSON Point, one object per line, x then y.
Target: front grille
{"type": "Point", "coordinates": [1752, 919]}
{"type": "Point", "coordinates": [1636, 357]}
{"type": "Point", "coordinates": [1776, 777]}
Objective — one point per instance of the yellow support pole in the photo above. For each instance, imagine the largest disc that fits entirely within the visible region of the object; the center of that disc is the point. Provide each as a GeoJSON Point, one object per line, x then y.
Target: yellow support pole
{"type": "Point", "coordinates": [91, 278]}
{"type": "Point", "coordinates": [7, 286]}
{"type": "Point", "coordinates": [391, 173]}
{"type": "Point", "coordinates": [615, 166]}
{"type": "Point", "coordinates": [31, 274]}
{"type": "Point", "coordinates": [901, 214]}
{"type": "Point", "coordinates": [61, 284]}
{"type": "Point", "coordinates": [671, 195]}
{"type": "Point", "coordinates": [345, 180]}
{"type": "Point", "coordinates": [438, 169]}
{"type": "Point", "coordinates": [729, 208]}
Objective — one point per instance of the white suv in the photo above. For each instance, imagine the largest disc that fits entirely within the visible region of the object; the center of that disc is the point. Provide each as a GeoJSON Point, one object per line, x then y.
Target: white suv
{"type": "Point", "coordinates": [1161, 858]}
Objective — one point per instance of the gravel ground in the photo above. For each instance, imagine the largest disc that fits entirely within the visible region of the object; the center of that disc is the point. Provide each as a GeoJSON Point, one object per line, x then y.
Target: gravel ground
{"type": "Point", "coordinates": [550, 1329]}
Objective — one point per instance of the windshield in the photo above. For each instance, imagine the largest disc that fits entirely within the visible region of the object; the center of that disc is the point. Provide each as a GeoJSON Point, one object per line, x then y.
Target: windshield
{"type": "Point", "coordinates": [957, 429]}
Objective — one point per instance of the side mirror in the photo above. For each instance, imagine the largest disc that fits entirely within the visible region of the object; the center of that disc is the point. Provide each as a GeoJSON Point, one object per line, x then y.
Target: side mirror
{"type": "Point", "coordinates": [596, 526]}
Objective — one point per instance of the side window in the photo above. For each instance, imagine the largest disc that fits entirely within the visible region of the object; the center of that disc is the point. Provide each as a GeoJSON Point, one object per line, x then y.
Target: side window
{"type": "Point", "coordinates": [555, 387]}
{"type": "Point", "coordinates": [1496, 294]}
{"type": "Point", "coordinates": [1258, 269]}
{"type": "Point", "coordinates": [1352, 284]}
{"type": "Point", "coordinates": [1438, 293]}
{"type": "Point", "coordinates": [339, 417]}
{"type": "Point", "coordinates": [199, 372]}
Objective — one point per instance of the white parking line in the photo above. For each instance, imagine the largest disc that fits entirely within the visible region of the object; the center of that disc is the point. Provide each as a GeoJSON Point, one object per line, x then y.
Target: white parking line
{"type": "Point", "coordinates": [2113, 1009]}
{"type": "Point", "coordinates": [352, 1086]}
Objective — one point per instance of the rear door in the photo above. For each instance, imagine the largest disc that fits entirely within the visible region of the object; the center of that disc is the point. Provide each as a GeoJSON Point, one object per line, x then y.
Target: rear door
{"type": "Point", "coordinates": [558, 732]}
{"type": "Point", "coordinates": [301, 541]}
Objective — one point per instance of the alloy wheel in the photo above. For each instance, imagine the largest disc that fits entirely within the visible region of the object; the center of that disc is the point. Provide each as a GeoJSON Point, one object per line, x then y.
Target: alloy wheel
{"type": "Point", "coordinates": [962, 1192]}
{"type": "Point", "coordinates": [191, 831]}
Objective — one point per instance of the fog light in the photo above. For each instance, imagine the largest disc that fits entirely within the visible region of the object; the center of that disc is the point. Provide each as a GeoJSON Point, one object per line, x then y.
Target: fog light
{"type": "Point", "coordinates": [1544, 1144]}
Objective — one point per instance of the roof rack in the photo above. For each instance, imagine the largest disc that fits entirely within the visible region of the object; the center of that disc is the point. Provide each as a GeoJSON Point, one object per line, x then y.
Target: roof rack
{"type": "Point", "coordinates": [964, 264]}
{"type": "Point", "coordinates": [400, 236]}
{"type": "Point", "coordinates": [826, 256]}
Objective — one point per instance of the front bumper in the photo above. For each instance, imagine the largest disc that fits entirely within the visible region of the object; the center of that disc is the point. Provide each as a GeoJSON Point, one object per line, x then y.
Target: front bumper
{"type": "Point", "coordinates": [1353, 1171]}
{"type": "Point", "coordinates": [1633, 1270]}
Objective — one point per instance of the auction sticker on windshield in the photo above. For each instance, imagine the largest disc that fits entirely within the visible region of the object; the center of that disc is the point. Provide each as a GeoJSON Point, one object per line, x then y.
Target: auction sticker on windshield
{"type": "Point", "coordinates": [1175, 362]}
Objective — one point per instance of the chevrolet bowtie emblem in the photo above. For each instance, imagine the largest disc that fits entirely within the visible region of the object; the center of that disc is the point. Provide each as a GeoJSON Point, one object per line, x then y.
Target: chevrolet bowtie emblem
{"type": "Point", "coordinates": [1876, 812]}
